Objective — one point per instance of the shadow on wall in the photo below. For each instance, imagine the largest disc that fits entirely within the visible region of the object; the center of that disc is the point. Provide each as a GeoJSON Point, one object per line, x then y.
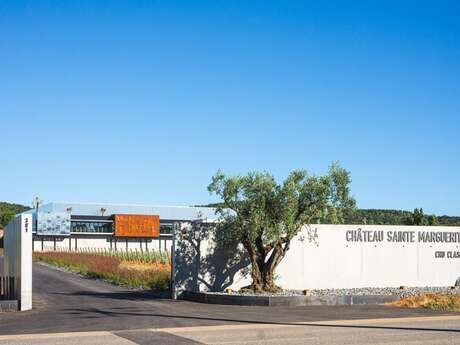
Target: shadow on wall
{"type": "Point", "coordinates": [204, 264]}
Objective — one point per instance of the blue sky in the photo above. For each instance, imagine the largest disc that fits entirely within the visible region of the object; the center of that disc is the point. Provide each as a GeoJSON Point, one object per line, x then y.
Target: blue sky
{"type": "Point", "coordinates": [143, 101]}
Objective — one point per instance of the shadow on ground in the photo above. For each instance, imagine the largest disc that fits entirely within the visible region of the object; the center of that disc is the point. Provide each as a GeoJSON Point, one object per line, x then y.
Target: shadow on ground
{"type": "Point", "coordinates": [111, 313]}
{"type": "Point", "coordinates": [121, 295]}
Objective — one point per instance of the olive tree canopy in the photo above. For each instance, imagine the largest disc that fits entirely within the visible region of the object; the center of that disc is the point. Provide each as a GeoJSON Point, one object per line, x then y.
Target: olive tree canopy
{"type": "Point", "coordinates": [264, 216]}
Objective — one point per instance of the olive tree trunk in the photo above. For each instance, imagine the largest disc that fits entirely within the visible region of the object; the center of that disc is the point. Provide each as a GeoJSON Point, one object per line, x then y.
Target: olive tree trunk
{"type": "Point", "coordinates": [263, 266]}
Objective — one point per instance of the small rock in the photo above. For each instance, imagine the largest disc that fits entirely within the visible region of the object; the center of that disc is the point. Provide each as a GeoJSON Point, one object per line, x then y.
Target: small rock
{"type": "Point", "coordinates": [306, 292]}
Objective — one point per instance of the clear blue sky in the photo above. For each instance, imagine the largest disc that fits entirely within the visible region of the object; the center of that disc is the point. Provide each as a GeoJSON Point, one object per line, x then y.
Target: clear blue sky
{"type": "Point", "coordinates": [143, 101]}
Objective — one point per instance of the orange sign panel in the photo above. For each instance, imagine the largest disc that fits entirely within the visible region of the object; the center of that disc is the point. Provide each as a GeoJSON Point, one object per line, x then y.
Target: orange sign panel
{"type": "Point", "coordinates": [136, 225]}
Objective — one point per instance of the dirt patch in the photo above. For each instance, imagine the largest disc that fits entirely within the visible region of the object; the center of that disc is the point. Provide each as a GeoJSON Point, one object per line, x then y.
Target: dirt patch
{"type": "Point", "coordinates": [429, 301]}
{"type": "Point", "coordinates": [143, 266]}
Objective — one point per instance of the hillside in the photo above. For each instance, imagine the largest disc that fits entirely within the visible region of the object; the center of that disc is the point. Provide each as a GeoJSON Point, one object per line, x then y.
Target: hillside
{"type": "Point", "coordinates": [8, 210]}
{"type": "Point", "coordinates": [392, 217]}
{"type": "Point", "coordinates": [399, 217]}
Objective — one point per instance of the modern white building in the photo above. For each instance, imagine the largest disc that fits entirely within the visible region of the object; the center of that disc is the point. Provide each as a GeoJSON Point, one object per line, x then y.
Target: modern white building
{"type": "Point", "coordinates": [122, 227]}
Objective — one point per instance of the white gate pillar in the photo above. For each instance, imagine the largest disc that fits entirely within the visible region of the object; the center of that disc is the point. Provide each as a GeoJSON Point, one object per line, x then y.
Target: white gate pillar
{"type": "Point", "coordinates": [17, 261]}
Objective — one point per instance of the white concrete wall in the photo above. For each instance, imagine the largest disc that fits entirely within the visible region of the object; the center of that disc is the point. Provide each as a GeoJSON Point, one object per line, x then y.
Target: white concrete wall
{"type": "Point", "coordinates": [17, 261]}
{"type": "Point", "coordinates": [321, 257]}
{"type": "Point", "coordinates": [333, 262]}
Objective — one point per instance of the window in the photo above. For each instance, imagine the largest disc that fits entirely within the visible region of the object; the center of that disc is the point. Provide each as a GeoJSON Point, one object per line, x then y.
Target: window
{"type": "Point", "coordinates": [91, 227]}
{"type": "Point", "coordinates": [166, 228]}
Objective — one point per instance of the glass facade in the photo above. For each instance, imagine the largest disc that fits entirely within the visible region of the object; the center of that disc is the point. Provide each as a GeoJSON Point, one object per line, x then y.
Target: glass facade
{"type": "Point", "coordinates": [91, 227]}
{"type": "Point", "coordinates": [53, 224]}
{"type": "Point", "coordinates": [166, 228]}
{"type": "Point", "coordinates": [99, 226]}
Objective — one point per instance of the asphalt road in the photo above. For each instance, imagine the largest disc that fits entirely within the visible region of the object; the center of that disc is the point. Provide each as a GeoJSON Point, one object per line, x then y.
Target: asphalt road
{"type": "Point", "coordinates": [65, 302]}
{"type": "Point", "coordinates": [440, 330]}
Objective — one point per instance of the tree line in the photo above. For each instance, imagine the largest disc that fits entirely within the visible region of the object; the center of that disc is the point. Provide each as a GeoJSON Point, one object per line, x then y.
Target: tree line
{"type": "Point", "coordinates": [373, 216]}
{"type": "Point", "coordinates": [8, 211]}
{"type": "Point", "coordinates": [399, 217]}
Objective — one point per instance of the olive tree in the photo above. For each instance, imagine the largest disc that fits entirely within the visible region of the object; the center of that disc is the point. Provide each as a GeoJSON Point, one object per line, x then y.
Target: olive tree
{"type": "Point", "coordinates": [264, 216]}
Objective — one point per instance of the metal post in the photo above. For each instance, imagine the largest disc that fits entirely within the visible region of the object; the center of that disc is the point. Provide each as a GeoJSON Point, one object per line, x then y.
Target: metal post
{"type": "Point", "coordinates": [173, 248]}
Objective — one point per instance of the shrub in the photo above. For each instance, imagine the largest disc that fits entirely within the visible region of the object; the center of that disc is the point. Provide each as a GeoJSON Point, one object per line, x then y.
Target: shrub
{"type": "Point", "coordinates": [430, 301]}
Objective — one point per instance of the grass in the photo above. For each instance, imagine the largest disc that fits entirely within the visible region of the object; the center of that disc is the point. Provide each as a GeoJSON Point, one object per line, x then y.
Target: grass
{"type": "Point", "coordinates": [135, 271]}
{"type": "Point", "coordinates": [132, 256]}
{"type": "Point", "coordinates": [430, 301]}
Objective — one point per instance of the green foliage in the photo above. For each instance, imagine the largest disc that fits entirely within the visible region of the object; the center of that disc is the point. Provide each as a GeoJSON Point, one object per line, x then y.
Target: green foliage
{"type": "Point", "coordinates": [444, 303]}
{"type": "Point", "coordinates": [264, 216]}
{"type": "Point", "coordinates": [8, 211]}
{"type": "Point", "coordinates": [385, 217]}
{"type": "Point", "coordinates": [397, 217]}
{"type": "Point", "coordinates": [418, 218]}
{"type": "Point", "coordinates": [448, 220]}
{"type": "Point", "coordinates": [143, 257]}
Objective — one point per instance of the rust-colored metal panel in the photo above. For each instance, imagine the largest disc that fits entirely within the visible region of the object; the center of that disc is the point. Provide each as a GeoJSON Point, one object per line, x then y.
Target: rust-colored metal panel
{"type": "Point", "coordinates": [136, 225]}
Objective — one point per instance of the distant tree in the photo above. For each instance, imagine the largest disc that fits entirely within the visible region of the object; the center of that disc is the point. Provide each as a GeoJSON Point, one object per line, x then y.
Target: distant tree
{"type": "Point", "coordinates": [432, 220]}
{"type": "Point", "coordinates": [418, 217]}
{"type": "Point", "coordinates": [264, 216]}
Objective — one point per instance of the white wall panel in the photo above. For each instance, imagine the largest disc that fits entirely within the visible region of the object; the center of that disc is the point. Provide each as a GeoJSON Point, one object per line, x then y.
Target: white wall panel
{"type": "Point", "coordinates": [329, 260]}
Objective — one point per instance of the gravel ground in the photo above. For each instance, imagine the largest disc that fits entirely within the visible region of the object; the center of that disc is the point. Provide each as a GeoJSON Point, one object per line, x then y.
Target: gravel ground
{"type": "Point", "coordinates": [401, 292]}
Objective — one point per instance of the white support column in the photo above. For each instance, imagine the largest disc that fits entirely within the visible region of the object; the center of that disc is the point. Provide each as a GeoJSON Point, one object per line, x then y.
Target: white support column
{"type": "Point", "coordinates": [17, 262]}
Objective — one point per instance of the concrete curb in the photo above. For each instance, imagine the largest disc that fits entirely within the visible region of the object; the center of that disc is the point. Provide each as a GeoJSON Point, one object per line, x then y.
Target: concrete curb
{"type": "Point", "coordinates": [286, 301]}
{"type": "Point", "coordinates": [351, 299]}
{"type": "Point", "coordinates": [9, 305]}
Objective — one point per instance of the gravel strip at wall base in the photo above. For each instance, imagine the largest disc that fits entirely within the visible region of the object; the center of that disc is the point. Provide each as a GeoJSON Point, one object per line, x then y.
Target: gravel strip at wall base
{"type": "Point", "coordinates": [386, 291]}
{"type": "Point", "coordinates": [401, 292]}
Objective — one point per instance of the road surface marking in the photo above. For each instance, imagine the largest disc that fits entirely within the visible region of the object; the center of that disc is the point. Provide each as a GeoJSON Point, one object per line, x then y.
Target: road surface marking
{"type": "Point", "coordinates": [53, 335]}
{"type": "Point", "coordinates": [252, 325]}
{"type": "Point", "coordinates": [263, 325]}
